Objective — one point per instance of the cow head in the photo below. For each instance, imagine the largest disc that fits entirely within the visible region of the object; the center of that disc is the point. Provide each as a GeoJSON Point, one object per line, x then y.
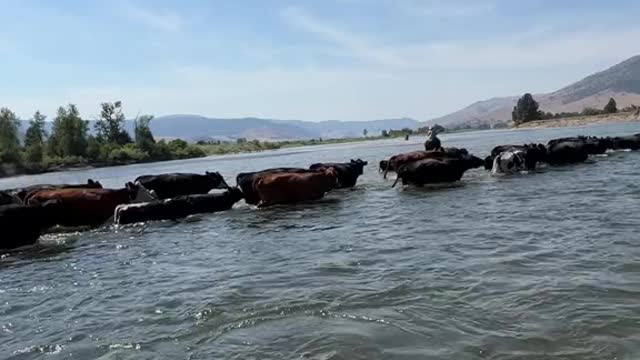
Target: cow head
{"type": "Point", "coordinates": [139, 194]}
{"type": "Point", "coordinates": [359, 165]}
{"type": "Point", "coordinates": [474, 162]}
{"type": "Point", "coordinates": [333, 175]}
{"type": "Point", "coordinates": [235, 193]}
{"type": "Point", "coordinates": [382, 166]}
{"type": "Point", "coordinates": [488, 163]}
{"type": "Point", "coordinates": [94, 184]}
{"type": "Point", "coordinates": [217, 181]}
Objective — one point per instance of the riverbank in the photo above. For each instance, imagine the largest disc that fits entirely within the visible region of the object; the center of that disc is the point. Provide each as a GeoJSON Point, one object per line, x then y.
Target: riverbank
{"type": "Point", "coordinates": [582, 120]}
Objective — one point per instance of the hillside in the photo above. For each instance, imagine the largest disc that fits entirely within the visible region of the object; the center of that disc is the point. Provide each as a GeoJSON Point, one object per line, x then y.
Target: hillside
{"type": "Point", "coordinates": [621, 81]}
{"type": "Point", "coordinates": [200, 128]}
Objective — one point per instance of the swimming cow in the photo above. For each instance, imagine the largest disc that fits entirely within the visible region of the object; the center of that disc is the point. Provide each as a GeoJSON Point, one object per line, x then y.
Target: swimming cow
{"type": "Point", "coordinates": [631, 142]}
{"type": "Point", "coordinates": [396, 161]}
{"type": "Point", "coordinates": [575, 149]}
{"type": "Point", "coordinates": [434, 170]}
{"type": "Point", "coordinates": [22, 225]}
{"type": "Point", "coordinates": [171, 185]}
{"type": "Point", "coordinates": [88, 207]}
{"type": "Point", "coordinates": [21, 193]}
{"type": "Point", "coordinates": [246, 181]}
{"type": "Point", "coordinates": [348, 173]}
{"type": "Point", "coordinates": [515, 158]}
{"type": "Point", "coordinates": [176, 208]}
{"type": "Point", "coordinates": [287, 188]}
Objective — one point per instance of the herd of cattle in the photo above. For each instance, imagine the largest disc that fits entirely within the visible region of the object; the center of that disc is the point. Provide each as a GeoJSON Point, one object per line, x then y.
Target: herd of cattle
{"type": "Point", "coordinates": [26, 213]}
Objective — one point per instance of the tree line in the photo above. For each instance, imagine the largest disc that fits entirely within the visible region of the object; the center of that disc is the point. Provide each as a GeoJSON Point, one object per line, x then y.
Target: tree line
{"type": "Point", "coordinates": [527, 109]}
{"type": "Point", "coordinates": [70, 143]}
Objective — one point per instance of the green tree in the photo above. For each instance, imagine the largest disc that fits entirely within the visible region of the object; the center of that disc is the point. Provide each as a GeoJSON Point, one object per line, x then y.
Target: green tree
{"type": "Point", "coordinates": [365, 132]}
{"type": "Point", "coordinates": [35, 138]}
{"type": "Point", "coordinates": [9, 142]}
{"type": "Point", "coordinates": [36, 133]}
{"type": "Point", "coordinates": [69, 134]}
{"type": "Point", "coordinates": [384, 133]}
{"type": "Point", "coordinates": [589, 111]}
{"type": "Point", "coordinates": [611, 107]}
{"type": "Point", "coordinates": [110, 126]}
{"type": "Point", "coordinates": [525, 110]}
{"type": "Point", "coordinates": [144, 137]}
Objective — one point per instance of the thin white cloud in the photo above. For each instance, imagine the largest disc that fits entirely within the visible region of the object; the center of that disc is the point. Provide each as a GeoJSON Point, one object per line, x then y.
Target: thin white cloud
{"type": "Point", "coordinates": [448, 9]}
{"type": "Point", "coordinates": [167, 21]}
{"type": "Point", "coordinates": [355, 44]}
{"type": "Point", "coordinates": [532, 48]}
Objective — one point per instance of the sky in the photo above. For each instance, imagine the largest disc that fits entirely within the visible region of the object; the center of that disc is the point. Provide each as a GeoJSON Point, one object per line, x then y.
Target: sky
{"type": "Point", "coordinates": [306, 60]}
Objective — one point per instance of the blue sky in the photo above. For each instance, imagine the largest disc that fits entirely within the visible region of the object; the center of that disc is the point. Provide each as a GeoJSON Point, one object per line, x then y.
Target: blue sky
{"type": "Point", "coordinates": [308, 60]}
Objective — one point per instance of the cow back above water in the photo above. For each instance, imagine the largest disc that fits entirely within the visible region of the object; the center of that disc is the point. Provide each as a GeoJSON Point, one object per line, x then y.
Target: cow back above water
{"type": "Point", "coordinates": [397, 161]}
{"type": "Point", "coordinates": [572, 150]}
{"type": "Point", "coordinates": [348, 173]}
{"type": "Point", "coordinates": [631, 142]}
{"type": "Point", "coordinates": [287, 188]}
{"type": "Point", "coordinates": [170, 185]}
{"type": "Point", "coordinates": [22, 193]}
{"type": "Point", "coordinates": [246, 181]}
{"type": "Point", "coordinates": [85, 207]}
{"type": "Point", "coordinates": [436, 170]}
{"type": "Point", "coordinates": [176, 208]}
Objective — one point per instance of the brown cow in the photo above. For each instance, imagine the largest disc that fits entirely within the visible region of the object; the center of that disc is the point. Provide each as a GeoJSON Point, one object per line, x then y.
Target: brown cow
{"type": "Point", "coordinates": [395, 162]}
{"type": "Point", "coordinates": [86, 207]}
{"type": "Point", "coordinates": [286, 188]}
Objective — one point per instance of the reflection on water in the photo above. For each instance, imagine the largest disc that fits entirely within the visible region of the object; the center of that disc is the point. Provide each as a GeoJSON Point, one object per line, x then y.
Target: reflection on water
{"type": "Point", "coordinates": [541, 265]}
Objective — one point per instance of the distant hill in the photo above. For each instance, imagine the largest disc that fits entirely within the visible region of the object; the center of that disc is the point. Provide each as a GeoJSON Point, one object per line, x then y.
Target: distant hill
{"type": "Point", "coordinates": [195, 127]}
{"type": "Point", "coordinates": [621, 82]}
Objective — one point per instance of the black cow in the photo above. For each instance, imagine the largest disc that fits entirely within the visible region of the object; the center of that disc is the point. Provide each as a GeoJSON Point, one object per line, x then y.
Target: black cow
{"type": "Point", "coordinates": [575, 149]}
{"type": "Point", "coordinates": [530, 154]}
{"type": "Point", "coordinates": [171, 185]}
{"type": "Point", "coordinates": [23, 224]}
{"type": "Point", "coordinates": [22, 193]}
{"type": "Point", "coordinates": [436, 170]}
{"type": "Point", "coordinates": [631, 142]}
{"type": "Point", "coordinates": [245, 181]}
{"type": "Point", "coordinates": [177, 208]}
{"type": "Point", "coordinates": [348, 173]}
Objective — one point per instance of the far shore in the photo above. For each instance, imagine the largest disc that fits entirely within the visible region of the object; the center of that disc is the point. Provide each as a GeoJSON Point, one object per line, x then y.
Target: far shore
{"type": "Point", "coordinates": [231, 149]}
{"type": "Point", "coordinates": [581, 121]}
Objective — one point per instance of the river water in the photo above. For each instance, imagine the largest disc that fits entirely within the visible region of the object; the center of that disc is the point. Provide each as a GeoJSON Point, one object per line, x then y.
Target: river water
{"type": "Point", "coordinates": [538, 266]}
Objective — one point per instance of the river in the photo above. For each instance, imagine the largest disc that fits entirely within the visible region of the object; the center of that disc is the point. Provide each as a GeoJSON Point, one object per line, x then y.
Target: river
{"type": "Point", "coordinates": [543, 265]}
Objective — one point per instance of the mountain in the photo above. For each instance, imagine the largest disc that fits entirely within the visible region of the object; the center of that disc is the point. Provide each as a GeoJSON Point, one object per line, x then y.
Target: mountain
{"type": "Point", "coordinates": [621, 81]}
{"type": "Point", "coordinates": [192, 127]}
{"type": "Point", "coordinates": [195, 127]}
